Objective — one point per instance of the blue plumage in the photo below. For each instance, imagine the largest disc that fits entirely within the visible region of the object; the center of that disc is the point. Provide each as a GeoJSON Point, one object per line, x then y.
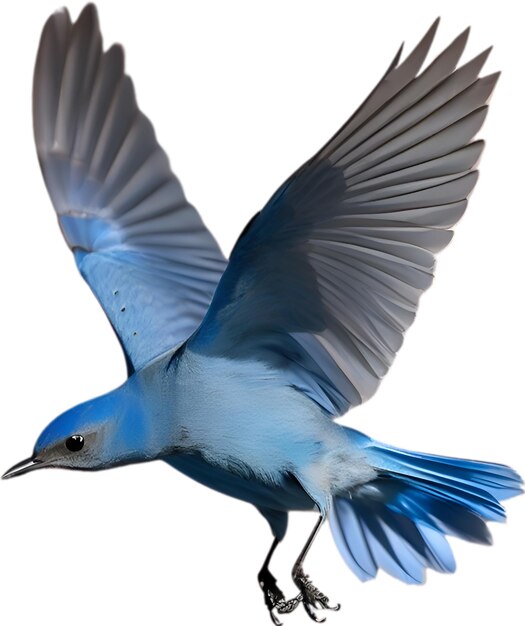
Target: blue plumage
{"type": "Point", "coordinates": [398, 521]}
{"type": "Point", "coordinates": [238, 370]}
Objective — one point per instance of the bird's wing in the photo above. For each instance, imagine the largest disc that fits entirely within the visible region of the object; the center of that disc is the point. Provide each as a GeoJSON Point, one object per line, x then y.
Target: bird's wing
{"type": "Point", "coordinates": [139, 244]}
{"type": "Point", "coordinates": [325, 280]}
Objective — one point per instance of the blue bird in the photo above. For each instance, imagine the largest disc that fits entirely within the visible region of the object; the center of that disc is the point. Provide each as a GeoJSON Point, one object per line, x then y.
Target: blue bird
{"type": "Point", "coordinates": [237, 369]}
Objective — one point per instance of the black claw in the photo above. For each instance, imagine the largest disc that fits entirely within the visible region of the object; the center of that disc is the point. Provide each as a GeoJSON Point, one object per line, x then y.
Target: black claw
{"type": "Point", "coordinates": [311, 597]}
{"type": "Point", "coordinates": [312, 615]}
{"type": "Point", "coordinates": [274, 597]}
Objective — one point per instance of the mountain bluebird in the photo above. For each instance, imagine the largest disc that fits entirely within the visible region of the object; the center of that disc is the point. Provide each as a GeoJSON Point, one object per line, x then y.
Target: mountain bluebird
{"type": "Point", "coordinates": [237, 369]}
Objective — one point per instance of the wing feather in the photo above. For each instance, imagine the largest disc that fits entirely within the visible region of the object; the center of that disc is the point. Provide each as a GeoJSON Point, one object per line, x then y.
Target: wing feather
{"type": "Point", "coordinates": [139, 244]}
{"type": "Point", "coordinates": [326, 279]}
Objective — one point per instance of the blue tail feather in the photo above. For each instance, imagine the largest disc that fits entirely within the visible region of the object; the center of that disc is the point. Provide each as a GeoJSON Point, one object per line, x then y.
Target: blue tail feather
{"type": "Point", "coordinates": [398, 522]}
{"type": "Point", "coordinates": [500, 481]}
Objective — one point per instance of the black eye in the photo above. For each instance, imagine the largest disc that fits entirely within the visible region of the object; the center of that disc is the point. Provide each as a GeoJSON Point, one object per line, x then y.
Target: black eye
{"type": "Point", "coordinates": [75, 443]}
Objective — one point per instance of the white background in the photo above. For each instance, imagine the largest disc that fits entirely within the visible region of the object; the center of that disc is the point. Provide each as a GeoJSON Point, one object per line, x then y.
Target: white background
{"type": "Point", "coordinates": [241, 93]}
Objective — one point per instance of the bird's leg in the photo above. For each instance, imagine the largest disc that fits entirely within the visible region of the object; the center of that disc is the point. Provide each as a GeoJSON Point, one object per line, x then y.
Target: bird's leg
{"type": "Point", "coordinates": [309, 595]}
{"type": "Point", "coordinates": [273, 596]}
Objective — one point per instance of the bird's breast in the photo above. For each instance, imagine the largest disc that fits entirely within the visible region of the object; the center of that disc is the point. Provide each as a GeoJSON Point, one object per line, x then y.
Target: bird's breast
{"type": "Point", "coordinates": [243, 419]}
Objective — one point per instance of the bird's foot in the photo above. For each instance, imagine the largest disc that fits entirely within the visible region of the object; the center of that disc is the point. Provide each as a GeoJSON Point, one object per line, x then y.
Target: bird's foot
{"type": "Point", "coordinates": [311, 597]}
{"type": "Point", "coordinates": [274, 597]}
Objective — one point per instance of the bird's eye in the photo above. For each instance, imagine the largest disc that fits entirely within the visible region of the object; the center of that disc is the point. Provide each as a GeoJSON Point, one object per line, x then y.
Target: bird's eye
{"type": "Point", "coordinates": [75, 443]}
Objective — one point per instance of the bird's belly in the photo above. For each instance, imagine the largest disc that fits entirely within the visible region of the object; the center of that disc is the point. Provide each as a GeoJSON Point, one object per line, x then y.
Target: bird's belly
{"type": "Point", "coordinates": [285, 495]}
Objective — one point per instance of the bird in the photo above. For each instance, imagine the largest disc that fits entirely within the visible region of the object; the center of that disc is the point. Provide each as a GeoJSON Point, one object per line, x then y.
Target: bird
{"type": "Point", "coordinates": [238, 369]}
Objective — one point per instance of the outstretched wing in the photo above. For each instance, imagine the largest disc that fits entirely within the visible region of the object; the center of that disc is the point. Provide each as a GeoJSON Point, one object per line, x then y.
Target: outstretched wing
{"type": "Point", "coordinates": [326, 279]}
{"type": "Point", "coordinates": [139, 244]}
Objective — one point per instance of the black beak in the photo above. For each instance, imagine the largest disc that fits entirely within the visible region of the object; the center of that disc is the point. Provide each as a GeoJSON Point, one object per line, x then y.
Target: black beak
{"type": "Point", "coordinates": [23, 467]}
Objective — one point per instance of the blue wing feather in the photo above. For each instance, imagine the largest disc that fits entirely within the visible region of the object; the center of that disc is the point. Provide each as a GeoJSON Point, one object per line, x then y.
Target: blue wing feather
{"type": "Point", "coordinates": [326, 279]}
{"type": "Point", "coordinates": [139, 244]}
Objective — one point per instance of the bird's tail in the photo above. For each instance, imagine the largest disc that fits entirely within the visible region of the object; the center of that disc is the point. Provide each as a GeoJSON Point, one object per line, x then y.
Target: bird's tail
{"type": "Point", "coordinates": [399, 521]}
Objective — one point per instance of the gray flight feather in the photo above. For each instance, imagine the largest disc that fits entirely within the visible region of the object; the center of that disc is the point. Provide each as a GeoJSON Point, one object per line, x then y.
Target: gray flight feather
{"type": "Point", "coordinates": [139, 244]}
{"type": "Point", "coordinates": [326, 279]}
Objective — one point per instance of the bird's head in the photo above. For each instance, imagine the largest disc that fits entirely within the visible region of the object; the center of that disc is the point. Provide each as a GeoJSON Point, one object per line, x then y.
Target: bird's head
{"type": "Point", "coordinates": [101, 433]}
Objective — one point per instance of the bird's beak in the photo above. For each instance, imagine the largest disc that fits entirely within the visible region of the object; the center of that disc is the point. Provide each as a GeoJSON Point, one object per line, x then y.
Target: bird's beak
{"type": "Point", "coordinates": [23, 467]}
